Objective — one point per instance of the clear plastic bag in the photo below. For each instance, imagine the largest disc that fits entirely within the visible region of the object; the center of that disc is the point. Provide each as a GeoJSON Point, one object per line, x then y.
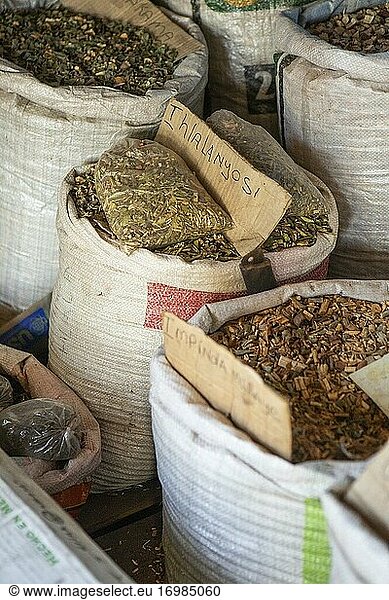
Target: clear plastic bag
{"type": "Point", "coordinates": [40, 428]}
{"type": "Point", "coordinates": [6, 393]}
{"type": "Point", "coordinates": [257, 146]}
{"type": "Point", "coordinates": [152, 199]}
{"type": "Point", "coordinates": [307, 214]}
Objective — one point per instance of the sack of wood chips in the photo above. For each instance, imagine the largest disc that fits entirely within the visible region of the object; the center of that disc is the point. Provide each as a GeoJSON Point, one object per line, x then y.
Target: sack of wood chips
{"type": "Point", "coordinates": [37, 381]}
{"type": "Point", "coordinates": [333, 108]}
{"type": "Point", "coordinates": [234, 512]}
{"type": "Point", "coordinates": [105, 320]}
{"type": "Point", "coordinates": [45, 130]}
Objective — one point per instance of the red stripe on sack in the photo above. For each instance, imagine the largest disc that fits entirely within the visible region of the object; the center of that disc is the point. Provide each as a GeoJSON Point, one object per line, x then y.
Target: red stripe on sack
{"type": "Point", "coordinates": [320, 272]}
{"type": "Point", "coordinates": [181, 302]}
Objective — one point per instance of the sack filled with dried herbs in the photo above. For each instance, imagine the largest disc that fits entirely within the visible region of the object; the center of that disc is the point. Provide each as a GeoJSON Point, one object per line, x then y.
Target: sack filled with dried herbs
{"type": "Point", "coordinates": [151, 199]}
{"type": "Point", "coordinates": [101, 343]}
{"type": "Point", "coordinates": [58, 438]}
{"type": "Point", "coordinates": [333, 96]}
{"type": "Point", "coordinates": [256, 517]}
{"type": "Point", "coordinates": [307, 215]}
{"type": "Point", "coordinates": [303, 240]}
{"type": "Point", "coordinates": [292, 264]}
{"type": "Point", "coordinates": [70, 84]}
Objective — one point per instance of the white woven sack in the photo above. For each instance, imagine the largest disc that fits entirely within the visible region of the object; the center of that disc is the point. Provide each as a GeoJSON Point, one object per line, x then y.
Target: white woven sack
{"type": "Point", "coordinates": [361, 555]}
{"type": "Point", "coordinates": [310, 262]}
{"type": "Point", "coordinates": [334, 107]}
{"type": "Point", "coordinates": [241, 42]}
{"type": "Point", "coordinates": [43, 132]}
{"type": "Point", "coordinates": [234, 512]}
{"type": "Point", "coordinates": [105, 324]}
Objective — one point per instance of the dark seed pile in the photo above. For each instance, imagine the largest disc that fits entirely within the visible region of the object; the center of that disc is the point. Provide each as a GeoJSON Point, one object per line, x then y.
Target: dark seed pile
{"type": "Point", "coordinates": [306, 349]}
{"type": "Point", "coordinates": [83, 193]}
{"type": "Point", "coordinates": [61, 47]}
{"type": "Point", "coordinates": [366, 30]}
{"type": "Point", "coordinates": [295, 230]}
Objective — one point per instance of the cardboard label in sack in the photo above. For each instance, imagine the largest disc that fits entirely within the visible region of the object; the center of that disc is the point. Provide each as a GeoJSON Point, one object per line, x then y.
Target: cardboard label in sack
{"type": "Point", "coordinates": [370, 492]}
{"type": "Point", "coordinates": [141, 13]}
{"type": "Point", "coordinates": [230, 386]}
{"type": "Point", "coordinates": [255, 202]}
{"type": "Point", "coordinates": [374, 381]}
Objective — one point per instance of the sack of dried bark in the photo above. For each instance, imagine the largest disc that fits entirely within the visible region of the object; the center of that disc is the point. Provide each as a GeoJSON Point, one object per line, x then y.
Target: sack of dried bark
{"type": "Point", "coordinates": [255, 517]}
{"type": "Point", "coordinates": [331, 99]}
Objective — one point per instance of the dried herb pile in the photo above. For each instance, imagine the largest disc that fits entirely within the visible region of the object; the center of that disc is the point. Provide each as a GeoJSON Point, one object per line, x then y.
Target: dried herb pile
{"type": "Point", "coordinates": [61, 47]}
{"type": "Point", "coordinates": [307, 215]}
{"type": "Point", "coordinates": [152, 199]}
{"type": "Point", "coordinates": [83, 193]}
{"type": "Point", "coordinates": [366, 30]}
{"type": "Point", "coordinates": [306, 349]}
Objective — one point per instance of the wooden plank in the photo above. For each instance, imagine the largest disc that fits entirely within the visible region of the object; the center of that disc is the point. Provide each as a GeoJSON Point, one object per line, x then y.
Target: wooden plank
{"type": "Point", "coordinates": [105, 510]}
{"type": "Point", "coordinates": [137, 549]}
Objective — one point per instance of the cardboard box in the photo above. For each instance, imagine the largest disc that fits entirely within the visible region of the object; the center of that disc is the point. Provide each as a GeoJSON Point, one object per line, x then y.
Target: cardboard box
{"type": "Point", "coordinates": [28, 330]}
{"type": "Point", "coordinates": [40, 543]}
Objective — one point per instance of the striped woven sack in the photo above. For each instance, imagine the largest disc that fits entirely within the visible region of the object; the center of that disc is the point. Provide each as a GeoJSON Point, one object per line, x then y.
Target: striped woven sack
{"type": "Point", "coordinates": [233, 511]}
{"type": "Point", "coordinates": [105, 325]}
{"type": "Point", "coordinates": [333, 108]}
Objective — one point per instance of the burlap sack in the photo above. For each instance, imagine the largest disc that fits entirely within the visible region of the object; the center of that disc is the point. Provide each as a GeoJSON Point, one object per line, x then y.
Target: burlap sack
{"type": "Point", "coordinates": [333, 107]}
{"type": "Point", "coordinates": [44, 131]}
{"type": "Point", "coordinates": [233, 511]}
{"type": "Point", "coordinates": [39, 382]}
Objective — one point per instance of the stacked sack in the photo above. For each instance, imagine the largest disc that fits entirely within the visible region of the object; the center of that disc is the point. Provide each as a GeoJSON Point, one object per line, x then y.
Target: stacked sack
{"type": "Point", "coordinates": [333, 108]}
{"type": "Point", "coordinates": [45, 130]}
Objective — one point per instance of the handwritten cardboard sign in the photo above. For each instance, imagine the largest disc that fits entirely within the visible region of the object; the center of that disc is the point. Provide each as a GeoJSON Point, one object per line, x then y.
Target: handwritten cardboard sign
{"type": "Point", "coordinates": [369, 493]}
{"type": "Point", "coordinates": [230, 386]}
{"type": "Point", "coordinates": [374, 381]}
{"type": "Point", "coordinates": [255, 202]}
{"type": "Point", "coordinates": [141, 13]}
